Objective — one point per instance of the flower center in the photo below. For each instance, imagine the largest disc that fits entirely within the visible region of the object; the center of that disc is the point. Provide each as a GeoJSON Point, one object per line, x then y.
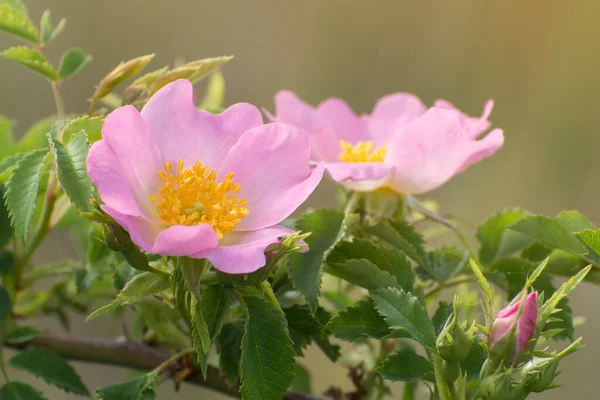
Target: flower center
{"type": "Point", "coordinates": [361, 152]}
{"type": "Point", "coordinates": [192, 196]}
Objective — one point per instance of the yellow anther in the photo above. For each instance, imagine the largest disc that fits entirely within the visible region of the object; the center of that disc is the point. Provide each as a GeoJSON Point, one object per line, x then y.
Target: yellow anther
{"type": "Point", "coordinates": [361, 152]}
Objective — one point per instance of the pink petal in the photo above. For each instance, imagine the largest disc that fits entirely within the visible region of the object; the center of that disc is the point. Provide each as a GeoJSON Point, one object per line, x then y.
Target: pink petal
{"type": "Point", "coordinates": [142, 232]}
{"type": "Point", "coordinates": [127, 137]}
{"type": "Point", "coordinates": [392, 112]}
{"type": "Point", "coordinates": [362, 177]}
{"type": "Point", "coordinates": [335, 116]}
{"type": "Point", "coordinates": [474, 126]}
{"type": "Point", "coordinates": [271, 164]}
{"type": "Point", "coordinates": [183, 240]}
{"type": "Point", "coordinates": [184, 133]}
{"type": "Point", "coordinates": [430, 150]}
{"type": "Point", "coordinates": [291, 110]}
{"type": "Point", "coordinates": [527, 321]}
{"type": "Point", "coordinates": [243, 252]}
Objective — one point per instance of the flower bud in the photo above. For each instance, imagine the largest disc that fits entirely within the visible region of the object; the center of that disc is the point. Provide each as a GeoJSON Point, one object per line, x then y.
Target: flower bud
{"type": "Point", "coordinates": [539, 373]}
{"type": "Point", "coordinates": [453, 344]}
{"type": "Point", "coordinates": [496, 387]}
{"type": "Point", "coordinates": [512, 331]}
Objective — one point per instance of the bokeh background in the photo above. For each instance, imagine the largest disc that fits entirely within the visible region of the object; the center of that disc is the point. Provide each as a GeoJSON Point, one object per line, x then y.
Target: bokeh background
{"type": "Point", "coordinates": [538, 59]}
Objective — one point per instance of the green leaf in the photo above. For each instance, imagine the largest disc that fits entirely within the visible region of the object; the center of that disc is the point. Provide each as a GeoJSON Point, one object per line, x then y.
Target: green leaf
{"type": "Point", "coordinates": [404, 312]}
{"type": "Point", "coordinates": [141, 286]}
{"type": "Point", "coordinates": [50, 367]}
{"type": "Point", "coordinates": [18, 23]}
{"type": "Point", "coordinates": [6, 231]}
{"type": "Point", "coordinates": [139, 388]}
{"type": "Point", "coordinates": [22, 190]}
{"type": "Point", "coordinates": [46, 26]}
{"type": "Point", "coordinates": [405, 366]}
{"type": "Point", "coordinates": [215, 92]}
{"type": "Point", "coordinates": [200, 332]}
{"type": "Point", "coordinates": [8, 164]}
{"type": "Point", "coordinates": [72, 172]}
{"type": "Point", "coordinates": [6, 137]}
{"type": "Point", "coordinates": [474, 361]}
{"type": "Point", "coordinates": [404, 237]}
{"type": "Point", "coordinates": [386, 258]}
{"type": "Point", "coordinates": [305, 270]}
{"type": "Point", "coordinates": [7, 262]}
{"type": "Point", "coordinates": [22, 334]}
{"type": "Point", "coordinates": [441, 316]}
{"type": "Point", "coordinates": [303, 325]}
{"type": "Point", "coordinates": [72, 61]}
{"type": "Point", "coordinates": [302, 380]}
{"type": "Point", "coordinates": [5, 304]}
{"type": "Point", "coordinates": [447, 262]}
{"type": "Point", "coordinates": [20, 391]}
{"type": "Point", "coordinates": [35, 137]}
{"type": "Point", "coordinates": [359, 322]}
{"type": "Point", "coordinates": [362, 273]}
{"type": "Point", "coordinates": [494, 234]}
{"type": "Point", "coordinates": [59, 28]}
{"type": "Point", "coordinates": [268, 365]}
{"type": "Point", "coordinates": [91, 126]}
{"type": "Point", "coordinates": [216, 301]}
{"type": "Point", "coordinates": [16, 5]}
{"type": "Point", "coordinates": [230, 351]}
{"type": "Point", "coordinates": [32, 59]}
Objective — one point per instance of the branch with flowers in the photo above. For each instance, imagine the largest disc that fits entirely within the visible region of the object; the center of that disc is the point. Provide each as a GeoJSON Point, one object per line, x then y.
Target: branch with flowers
{"type": "Point", "coordinates": [184, 216]}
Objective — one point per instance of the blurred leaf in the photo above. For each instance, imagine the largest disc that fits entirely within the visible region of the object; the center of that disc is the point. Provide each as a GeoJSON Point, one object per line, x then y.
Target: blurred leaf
{"type": "Point", "coordinates": [165, 322]}
{"type": "Point", "coordinates": [447, 262]}
{"type": "Point", "coordinates": [441, 316]}
{"type": "Point", "coordinates": [302, 325]}
{"type": "Point", "coordinates": [474, 361]}
{"type": "Point", "coordinates": [22, 334]}
{"type": "Point", "coordinates": [362, 273]}
{"type": "Point", "coordinates": [138, 388]}
{"type": "Point", "coordinates": [91, 126]}
{"type": "Point", "coordinates": [359, 322]}
{"type": "Point", "coordinates": [72, 61]}
{"type": "Point", "coordinates": [215, 92]}
{"type": "Point", "coordinates": [7, 165]}
{"type": "Point", "coordinates": [15, 21]}
{"type": "Point", "coordinates": [72, 172]}
{"type": "Point", "coordinates": [7, 262]}
{"type": "Point", "coordinates": [6, 231]}
{"type": "Point", "coordinates": [50, 367]}
{"type": "Point", "coordinates": [405, 366]}
{"type": "Point", "coordinates": [5, 304]}
{"type": "Point", "coordinates": [29, 302]}
{"type": "Point", "coordinates": [20, 391]}
{"type": "Point", "coordinates": [386, 258]}
{"type": "Point", "coordinates": [16, 5]}
{"type": "Point", "coordinates": [32, 59]}
{"type": "Point", "coordinates": [536, 252]}
{"type": "Point", "coordinates": [493, 234]}
{"type": "Point", "coordinates": [59, 28]}
{"type": "Point", "coordinates": [302, 380]}
{"type": "Point", "coordinates": [22, 190]}
{"type": "Point", "coordinates": [404, 312]}
{"type": "Point", "coordinates": [230, 351]}
{"type": "Point", "coordinates": [46, 26]}
{"type": "Point", "coordinates": [405, 238]}
{"type": "Point", "coordinates": [305, 270]}
{"type": "Point", "coordinates": [6, 137]}
{"type": "Point", "coordinates": [141, 286]}
{"type": "Point", "coordinates": [216, 301]}
{"type": "Point", "coordinates": [133, 91]}
{"type": "Point", "coordinates": [35, 137]}
{"type": "Point", "coordinates": [192, 71]}
{"type": "Point", "coordinates": [268, 366]}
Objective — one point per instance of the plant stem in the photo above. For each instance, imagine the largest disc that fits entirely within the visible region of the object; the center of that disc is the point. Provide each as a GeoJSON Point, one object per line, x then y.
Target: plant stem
{"type": "Point", "coordinates": [452, 282]}
{"type": "Point", "coordinates": [162, 367]}
{"type": "Point", "coordinates": [409, 391]}
{"type": "Point", "coordinates": [58, 100]}
{"type": "Point", "coordinates": [445, 390]}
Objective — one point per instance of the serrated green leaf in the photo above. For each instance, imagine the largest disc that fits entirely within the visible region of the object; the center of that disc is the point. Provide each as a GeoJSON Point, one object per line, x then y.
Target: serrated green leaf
{"type": "Point", "coordinates": [91, 126]}
{"type": "Point", "coordinates": [5, 304]}
{"type": "Point", "coordinates": [50, 367]}
{"type": "Point", "coordinates": [447, 262]}
{"type": "Point", "coordinates": [141, 286]}
{"type": "Point", "coordinates": [404, 312]}
{"type": "Point", "coordinates": [22, 334]}
{"type": "Point", "coordinates": [22, 190]}
{"type": "Point", "coordinates": [230, 351]}
{"type": "Point", "coordinates": [305, 270]}
{"type": "Point", "coordinates": [405, 366]}
{"type": "Point", "coordinates": [7, 165]}
{"type": "Point", "coordinates": [6, 231]}
{"type": "Point", "coordinates": [32, 59]}
{"type": "Point", "coordinates": [362, 273]}
{"type": "Point", "coordinates": [216, 301]}
{"type": "Point", "coordinates": [18, 23]}
{"type": "Point", "coordinates": [386, 258]}
{"type": "Point", "coordinates": [302, 325]}
{"type": "Point", "coordinates": [20, 391]}
{"type": "Point", "coordinates": [72, 61]}
{"type": "Point", "coordinates": [139, 388]}
{"type": "Point", "coordinates": [404, 237]}
{"type": "Point", "coordinates": [359, 322]}
{"type": "Point", "coordinates": [200, 332]}
{"type": "Point", "coordinates": [268, 365]}
{"type": "Point", "coordinates": [72, 172]}
{"type": "Point", "coordinates": [493, 234]}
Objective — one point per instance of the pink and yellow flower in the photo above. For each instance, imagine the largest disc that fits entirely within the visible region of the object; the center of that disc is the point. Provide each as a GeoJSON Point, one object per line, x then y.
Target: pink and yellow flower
{"type": "Point", "coordinates": [401, 144]}
{"type": "Point", "coordinates": [185, 182]}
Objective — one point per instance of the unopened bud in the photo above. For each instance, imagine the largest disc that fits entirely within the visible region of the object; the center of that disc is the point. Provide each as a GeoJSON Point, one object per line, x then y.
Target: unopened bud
{"type": "Point", "coordinates": [453, 344]}
{"type": "Point", "coordinates": [539, 373]}
{"type": "Point", "coordinates": [496, 387]}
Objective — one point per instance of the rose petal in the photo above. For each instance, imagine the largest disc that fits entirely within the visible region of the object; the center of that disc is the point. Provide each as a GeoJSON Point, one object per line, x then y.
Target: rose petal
{"type": "Point", "coordinates": [243, 252]}
{"type": "Point", "coordinates": [527, 321]}
{"type": "Point", "coordinates": [184, 133]}
{"type": "Point", "coordinates": [474, 126]}
{"type": "Point", "coordinates": [392, 112]}
{"type": "Point", "coordinates": [183, 240]}
{"type": "Point", "coordinates": [430, 150]}
{"type": "Point", "coordinates": [291, 110]}
{"type": "Point", "coordinates": [360, 177]}
{"type": "Point", "coordinates": [142, 232]}
{"type": "Point", "coordinates": [271, 164]}
{"type": "Point", "coordinates": [335, 116]}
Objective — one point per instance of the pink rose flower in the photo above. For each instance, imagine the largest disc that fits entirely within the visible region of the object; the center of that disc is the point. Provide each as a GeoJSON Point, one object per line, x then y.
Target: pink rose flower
{"type": "Point", "coordinates": [525, 324]}
{"type": "Point", "coordinates": [185, 182]}
{"type": "Point", "coordinates": [401, 145]}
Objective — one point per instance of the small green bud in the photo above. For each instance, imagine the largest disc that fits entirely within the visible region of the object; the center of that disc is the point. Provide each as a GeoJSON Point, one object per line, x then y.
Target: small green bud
{"type": "Point", "coordinates": [496, 387]}
{"type": "Point", "coordinates": [117, 239]}
{"type": "Point", "coordinates": [453, 344]}
{"type": "Point", "coordinates": [450, 371]}
{"type": "Point", "coordinates": [539, 373]}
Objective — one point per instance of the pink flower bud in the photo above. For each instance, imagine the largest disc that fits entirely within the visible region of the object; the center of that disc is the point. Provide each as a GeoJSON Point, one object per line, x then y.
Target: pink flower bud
{"type": "Point", "coordinates": [524, 328]}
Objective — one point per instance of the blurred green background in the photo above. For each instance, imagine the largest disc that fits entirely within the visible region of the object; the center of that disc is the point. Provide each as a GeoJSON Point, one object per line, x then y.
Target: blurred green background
{"type": "Point", "coordinates": [537, 59]}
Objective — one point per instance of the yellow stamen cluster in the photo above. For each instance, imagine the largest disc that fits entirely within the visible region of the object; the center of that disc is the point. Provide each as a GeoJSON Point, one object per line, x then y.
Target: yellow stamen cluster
{"type": "Point", "coordinates": [361, 152]}
{"type": "Point", "coordinates": [192, 196]}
